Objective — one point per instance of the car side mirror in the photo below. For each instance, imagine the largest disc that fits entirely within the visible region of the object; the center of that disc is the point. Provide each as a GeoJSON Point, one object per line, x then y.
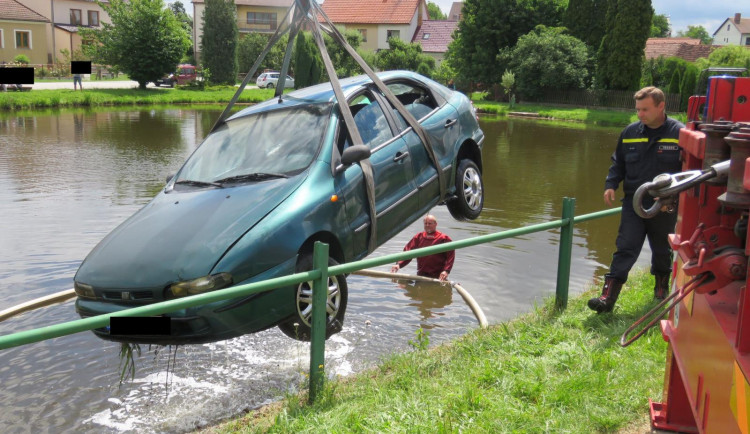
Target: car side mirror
{"type": "Point", "coordinates": [354, 154]}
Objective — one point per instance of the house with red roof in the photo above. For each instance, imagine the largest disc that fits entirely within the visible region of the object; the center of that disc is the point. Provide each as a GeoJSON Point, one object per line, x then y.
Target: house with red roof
{"type": "Point", "coordinates": [22, 31]}
{"type": "Point", "coordinates": [689, 49]}
{"type": "Point", "coordinates": [434, 37]}
{"type": "Point", "coordinates": [733, 31]}
{"type": "Point", "coordinates": [378, 20]}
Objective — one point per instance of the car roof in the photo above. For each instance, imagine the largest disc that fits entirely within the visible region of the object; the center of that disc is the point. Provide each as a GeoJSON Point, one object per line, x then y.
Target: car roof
{"type": "Point", "coordinates": [322, 93]}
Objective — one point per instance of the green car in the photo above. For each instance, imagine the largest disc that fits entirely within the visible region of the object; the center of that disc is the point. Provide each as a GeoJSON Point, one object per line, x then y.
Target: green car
{"type": "Point", "coordinates": [261, 189]}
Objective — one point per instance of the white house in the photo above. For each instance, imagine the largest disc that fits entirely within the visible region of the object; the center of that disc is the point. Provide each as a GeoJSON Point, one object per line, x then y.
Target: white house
{"type": "Point", "coordinates": [733, 31]}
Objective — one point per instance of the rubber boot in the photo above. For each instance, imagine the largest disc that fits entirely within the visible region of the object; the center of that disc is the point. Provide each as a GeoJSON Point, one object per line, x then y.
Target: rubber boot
{"type": "Point", "coordinates": [661, 286]}
{"type": "Point", "coordinates": [610, 292]}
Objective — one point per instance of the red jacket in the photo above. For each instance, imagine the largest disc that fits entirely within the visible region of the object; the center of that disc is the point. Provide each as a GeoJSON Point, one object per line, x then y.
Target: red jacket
{"type": "Point", "coordinates": [432, 265]}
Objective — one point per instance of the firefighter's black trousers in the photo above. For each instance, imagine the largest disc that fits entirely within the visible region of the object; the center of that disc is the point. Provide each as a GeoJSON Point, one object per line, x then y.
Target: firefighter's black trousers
{"type": "Point", "coordinates": [631, 235]}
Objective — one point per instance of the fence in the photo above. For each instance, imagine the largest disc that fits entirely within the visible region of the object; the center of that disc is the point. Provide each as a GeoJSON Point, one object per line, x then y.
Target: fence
{"type": "Point", "coordinates": [622, 99]}
{"type": "Point", "coordinates": [319, 275]}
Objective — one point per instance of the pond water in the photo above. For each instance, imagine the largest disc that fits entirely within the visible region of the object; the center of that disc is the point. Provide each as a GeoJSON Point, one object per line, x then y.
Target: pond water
{"type": "Point", "coordinates": [67, 178]}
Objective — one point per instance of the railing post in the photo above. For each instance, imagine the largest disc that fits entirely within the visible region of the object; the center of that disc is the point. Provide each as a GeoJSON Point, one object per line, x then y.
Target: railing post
{"type": "Point", "coordinates": [318, 320]}
{"type": "Point", "coordinates": [564, 256]}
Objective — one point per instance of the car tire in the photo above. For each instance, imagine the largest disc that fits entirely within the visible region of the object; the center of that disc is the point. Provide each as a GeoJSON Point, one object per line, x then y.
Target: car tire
{"type": "Point", "coordinates": [469, 200]}
{"type": "Point", "coordinates": [270, 86]}
{"type": "Point", "coordinates": [171, 83]}
{"type": "Point", "coordinates": [298, 327]}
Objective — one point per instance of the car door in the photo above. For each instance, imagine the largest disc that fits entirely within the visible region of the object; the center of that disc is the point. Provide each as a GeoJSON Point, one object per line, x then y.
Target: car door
{"type": "Point", "coordinates": [440, 122]}
{"type": "Point", "coordinates": [396, 200]}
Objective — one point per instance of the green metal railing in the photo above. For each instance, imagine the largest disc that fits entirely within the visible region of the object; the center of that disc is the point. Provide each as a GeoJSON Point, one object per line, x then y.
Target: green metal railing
{"type": "Point", "coordinates": [319, 275]}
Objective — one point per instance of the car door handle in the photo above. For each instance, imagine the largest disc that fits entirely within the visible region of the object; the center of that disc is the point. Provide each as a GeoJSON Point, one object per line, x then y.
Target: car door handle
{"type": "Point", "coordinates": [400, 156]}
{"type": "Point", "coordinates": [450, 122]}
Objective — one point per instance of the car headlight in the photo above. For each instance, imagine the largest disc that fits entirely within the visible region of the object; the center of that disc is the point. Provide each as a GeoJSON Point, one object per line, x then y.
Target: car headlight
{"type": "Point", "coordinates": [83, 290]}
{"type": "Point", "coordinates": [199, 285]}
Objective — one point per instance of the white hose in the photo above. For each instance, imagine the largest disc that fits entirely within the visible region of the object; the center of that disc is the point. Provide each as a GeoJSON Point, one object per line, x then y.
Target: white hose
{"type": "Point", "coordinates": [47, 300]}
{"type": "Point", "coordinates": [463, 292]}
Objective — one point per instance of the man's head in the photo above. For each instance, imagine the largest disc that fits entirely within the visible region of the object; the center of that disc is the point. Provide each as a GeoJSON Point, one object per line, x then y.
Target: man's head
{"type": "Point", "coordinates": [649, 106]}
{"type": "Point", "coordinates": [430, 223]}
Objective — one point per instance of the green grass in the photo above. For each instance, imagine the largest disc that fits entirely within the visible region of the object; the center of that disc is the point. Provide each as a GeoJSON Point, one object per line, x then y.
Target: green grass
{"type": "Point", "coordinates": [40, 99]}
{"type": "Point", "coordinates": [578, 114]}
{"type": "Point", "coordinates": [543, 372]}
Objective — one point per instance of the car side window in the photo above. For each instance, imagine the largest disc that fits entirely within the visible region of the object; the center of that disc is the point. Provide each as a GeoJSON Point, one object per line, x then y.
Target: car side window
{"type": "Point", "coordinates": [370, 120]}
{"type": "Point", "coordinates": [417, 101]}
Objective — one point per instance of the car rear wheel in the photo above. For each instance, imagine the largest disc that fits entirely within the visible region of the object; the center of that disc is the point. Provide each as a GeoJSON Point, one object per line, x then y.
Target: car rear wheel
{"type": "Point", "coordinates": [298, 327]}
{"type": "Point", "coordinates": [171, 83]}
{"type": "Point", "coordinates": [270, 86]}
{"type": "Point", "coordinates": [469, 200]}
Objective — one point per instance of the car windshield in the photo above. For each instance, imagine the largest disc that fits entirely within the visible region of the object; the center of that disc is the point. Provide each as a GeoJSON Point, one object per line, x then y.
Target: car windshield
{"type": "Point", "coordinates": [276, 143]}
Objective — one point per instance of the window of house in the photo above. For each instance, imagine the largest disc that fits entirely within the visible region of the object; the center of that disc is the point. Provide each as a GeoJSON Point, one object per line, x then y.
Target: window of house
{"type": "Point", "coordinates": [426, 36]}
{"type": "Point", "coordinates": [23, 39]}
{"type": "Point", "coordinates": [75, 17]}
{"type": "Point", "coordinates": [747, 41]}
{"type": "Point", "coordinates": [93, 18]}
{"type": "Point", "coordinates": [262, 18]}
{"type": "Point", "coordinates": [394, 34]}
{"type": "Point", "coordinates": [363, 32]}
{"type": "Point", "coordinates": [2, 39]}
{"type": "Point", "coordinates": [728, 27]}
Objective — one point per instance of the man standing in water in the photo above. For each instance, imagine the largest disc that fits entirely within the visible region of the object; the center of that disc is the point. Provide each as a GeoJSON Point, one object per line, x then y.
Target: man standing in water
{"type": "Point", "coordinates": [436, 266]}
{"type": "Point", "coordinates": [645, 149]}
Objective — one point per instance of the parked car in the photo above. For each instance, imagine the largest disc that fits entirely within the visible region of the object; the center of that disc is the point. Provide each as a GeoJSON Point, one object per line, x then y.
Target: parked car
{"type": "Point", "coordinates": [260, 190]}
{"type": "Point", "coordinates": [269, 79]}
{"type": "Point", "coordinates": [185, 74]}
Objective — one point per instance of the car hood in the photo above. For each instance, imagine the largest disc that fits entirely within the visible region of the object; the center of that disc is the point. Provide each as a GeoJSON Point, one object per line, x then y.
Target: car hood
{"type": "Point", "coordinates": [181, 235]}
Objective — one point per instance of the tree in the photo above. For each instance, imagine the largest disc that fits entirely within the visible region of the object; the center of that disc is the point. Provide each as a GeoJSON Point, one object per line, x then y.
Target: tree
{"type": "Point", "coordinates": [186, 20]}
{"type": "Point", "coordinates": [660, 26]}
{"type": "Point", "coordinates": [733, 56]}
{"type": "Point", "coordinates": [144, 40]}
{"type": "Point", "coordinates": [586, 21]}
{"type": "Point", "coordinates": [345, 64]}
{"type": "Point", "coordinates": [687, 87]}
{"type": "Point", "coordinates": [308, 66]}
{"type": "Point", "coordinates": [178, 9]}
{"type": "Point", "coordinates": [545, 58]}
{"type": "Point", "coordinates": [697, 32]}
{"type": "Point", "coordinates": [219, 40]}
{"type": "Point", "coordinates": [251, 45]}
{"type": "Point", "coordinates": [434, 12]}
{"type": "Point", "coordinates": [621, 52]}
{"type": "Point", "coordinates": [405, 55]}
{"type": "Point", "coordinates": [674, 83]}
{"type": "Point", "coordinates": [488, 26]}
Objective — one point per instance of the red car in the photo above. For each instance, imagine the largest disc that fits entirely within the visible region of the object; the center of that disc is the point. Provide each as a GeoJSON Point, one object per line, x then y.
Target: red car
{"type": "Point", "coordinates": [185, 74]}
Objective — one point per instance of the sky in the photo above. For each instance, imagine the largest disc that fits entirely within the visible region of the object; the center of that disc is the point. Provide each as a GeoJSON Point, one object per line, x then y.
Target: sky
{"type": "Point", "coordinates": [682, 13]}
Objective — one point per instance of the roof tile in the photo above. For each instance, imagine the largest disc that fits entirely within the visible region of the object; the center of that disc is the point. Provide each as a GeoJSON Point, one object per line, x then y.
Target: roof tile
{"type": "Point", "coordinates": [13, 10]}
{"type": "Point", "coordinates": [439, 35]}
{"type": "Point", "coordinates": [685, 48]}
{"type": "Point", "coordinates": [370, 11]}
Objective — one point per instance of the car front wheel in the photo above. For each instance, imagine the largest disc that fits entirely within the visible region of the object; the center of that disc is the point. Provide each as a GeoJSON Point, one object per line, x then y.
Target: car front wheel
{"type": "Point", "coordinates": [469, 200]}
{"type": "Point", "coordinates": [299, 326]}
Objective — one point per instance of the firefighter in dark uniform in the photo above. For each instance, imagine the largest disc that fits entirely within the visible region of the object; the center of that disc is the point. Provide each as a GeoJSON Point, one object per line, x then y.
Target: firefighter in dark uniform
{"type": "Point", "coordinates": [645, 149]}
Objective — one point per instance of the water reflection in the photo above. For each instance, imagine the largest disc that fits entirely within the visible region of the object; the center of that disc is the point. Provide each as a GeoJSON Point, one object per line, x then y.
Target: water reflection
{"type": "Point", "coordinates": [430, 299]}
{"type": "Point", "coordinates": [67, 178]}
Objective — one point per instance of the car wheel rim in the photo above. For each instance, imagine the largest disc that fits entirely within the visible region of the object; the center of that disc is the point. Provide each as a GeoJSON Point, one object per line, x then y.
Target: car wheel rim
{"type": "Point", "coordinates": [472, 188]}
{"type": "Point", "coordinates": [305, 296]}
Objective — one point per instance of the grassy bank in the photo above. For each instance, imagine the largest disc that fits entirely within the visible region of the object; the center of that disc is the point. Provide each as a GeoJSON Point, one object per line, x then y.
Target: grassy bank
{"type": "Point", "coordinates": [40, 99]}
{"type": "Point", "coordinates": [578, 114]}
{"type": "Point", "coordinates": [544, 372]}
